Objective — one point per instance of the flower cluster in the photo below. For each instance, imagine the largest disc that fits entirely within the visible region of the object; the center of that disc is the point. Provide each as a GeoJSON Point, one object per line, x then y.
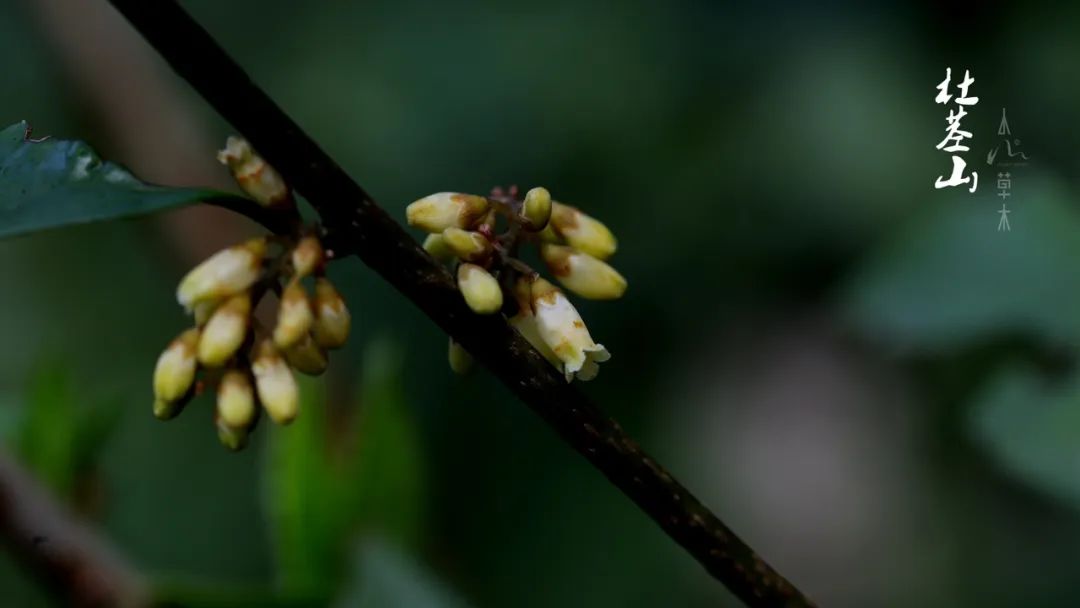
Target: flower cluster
{"type": "Point", "coordinates": [252, 367]}
{"type": "Point", "coordinates": [464, 230]}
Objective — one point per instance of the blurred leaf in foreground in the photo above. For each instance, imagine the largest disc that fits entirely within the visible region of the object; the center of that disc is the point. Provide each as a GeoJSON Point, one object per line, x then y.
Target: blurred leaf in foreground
{"type": "Point", "coordinates": [1032, 428]}
{"type": "Point", "coordinates": [327, 480]}
{"type": "Point", "coordinates": [386, 468]}
{"type": "Point", "coordinates": [57, 437]}
{"type": "Point", "coordinates": [951, 277]}
{"type": "Point", "coordinates": [302, 500]}
{"type": "Point", "coordinates": [383, 576]}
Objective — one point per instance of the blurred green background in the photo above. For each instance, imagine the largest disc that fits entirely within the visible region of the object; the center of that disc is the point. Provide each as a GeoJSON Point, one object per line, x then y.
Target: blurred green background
{"type": "Point", "coordinates": [868, 381]}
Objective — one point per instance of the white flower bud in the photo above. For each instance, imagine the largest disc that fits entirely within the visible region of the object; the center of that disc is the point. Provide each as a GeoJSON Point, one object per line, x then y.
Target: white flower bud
{"type": "Point", "coordinates": [306, 356]}
{"type": "Point", "coordinates": [437, 212]}
{"type": "Point", "coordinates": [307, 256]}
{"type": "Point", "coordinates": [583, 274]}
{"type": "Point", "coordinates": [537, 208]}
{"type": "Point", "coordinates": [275, 384]}
{"type": "Point", "coordinates": [174, 374]}
{"type": "Point", "coordinates": [255, 176]}
{"type": "Point", "coordinates": [223, 274]}
{"type": "Point", "coordinates": [467, 245]}
{"type": "Point", "coordinates": [225, 331]}
{"type": "Point", "coordinates": [332, 319]}
{"type": "Point", "coordinates": [295, 316]}
{"type": "Point", "coordinates": [582, 232]}
{"type": "Point", "coordinates": [236, 399]}
{"type": "Point", "coordinates": [561, 328]}
{"type": "Point", "coordinates": [461, 362]}
{"type": "Point", "coordinates": [481, 291]}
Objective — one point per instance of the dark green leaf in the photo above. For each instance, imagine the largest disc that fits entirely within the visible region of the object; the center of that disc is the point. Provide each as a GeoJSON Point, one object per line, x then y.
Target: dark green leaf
{"type": "Point", "coordinates": [55, 182]}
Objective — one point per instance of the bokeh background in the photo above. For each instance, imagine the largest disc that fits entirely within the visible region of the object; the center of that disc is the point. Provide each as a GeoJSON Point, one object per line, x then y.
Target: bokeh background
{"type": "Point", "coordinates": [872, 384]}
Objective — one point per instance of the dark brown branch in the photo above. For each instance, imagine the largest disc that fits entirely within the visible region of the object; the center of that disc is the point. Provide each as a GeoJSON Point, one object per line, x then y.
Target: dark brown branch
{"type": "Point", "coordinates": [70, 559]}
{"type": "Point", "coordinates": [354, 218]}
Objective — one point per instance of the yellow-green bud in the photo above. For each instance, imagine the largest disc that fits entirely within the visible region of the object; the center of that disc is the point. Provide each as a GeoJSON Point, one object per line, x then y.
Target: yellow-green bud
{"type": "Point", "coordinates": [255, 176]}
{"type": "Point", "coordinates": [225, 331]}
{"type": "Point", "coordinates": [332, 319]}
{"type": "Point", "coordinates": [295, 316]}
{"type": "Point", "coordinates": [307, 256]}
{"type": "Point", "coordinates": [467, 245]}
{"type": "Point", "coordinates": [167, 410]}
{"type": "Point", "coordinates": [437, 212]}
{"type": "Point", "coordinates": [226, 273]}
{"type": "Point", "coordinates": [236, 399]}
{"type": "Point", "coordinates": [481, 290]}
{"type": "Point", "coordinates": [582, 232]}
{"type": "Point", "coordinates": [437, 247]}
{"type": "Point", "coordinates": [537, 208]}
{"type": "Point", "coordinates": [174, 374]}
{"type": "Point", "coordinates": [203, 310]}
{"type": "Point", "coordinates": [561, 328]}
{"type": "Point", "coordinates": [307, 357]}
{"type": "Point", "coordinates": [234, 438]}
{"type": "Point", "coordinates": [461, 361]}
{"type": "Point", "coordinates": [275, 384]}
{"type": "Point", "coordinates": [583, 274]}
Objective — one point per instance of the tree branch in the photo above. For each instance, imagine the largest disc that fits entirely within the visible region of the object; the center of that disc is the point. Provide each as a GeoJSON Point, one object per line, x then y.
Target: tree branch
{"type": "Point", "coordinates": [371, 234]}
{"type": "Point", "coordinates": [65, 554]}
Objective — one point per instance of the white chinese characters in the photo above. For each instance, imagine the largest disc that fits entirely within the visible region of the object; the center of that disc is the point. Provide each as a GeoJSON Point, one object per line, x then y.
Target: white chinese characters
{"type": "Point", "coordinates": [954, 135]}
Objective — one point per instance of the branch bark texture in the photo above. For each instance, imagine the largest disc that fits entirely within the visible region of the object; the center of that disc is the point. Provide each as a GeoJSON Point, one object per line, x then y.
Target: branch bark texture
{"type": "Point", "coordinates": [366, 230]}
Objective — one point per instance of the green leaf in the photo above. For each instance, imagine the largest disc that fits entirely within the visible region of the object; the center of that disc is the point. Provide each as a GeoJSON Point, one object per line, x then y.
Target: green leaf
{"type": "Point", "coordinates": [1032, 429]}
{"type": "Point", "coordinates": [387, 469]}
{"type": "Point", "coordinates": [323, 486]}
{"type": "Point", "coordinates": [384, 576]}
{"type": "Point", "coordinates": [56, 438]}
{"type": "Point", "coordinates": [304, 504]}
{"type": "Point", "coordinates": [950, 277]}
{"type": "Point", "coordinates": [55, 182]}
{"type": "Point", "coordinates": [47, 436]}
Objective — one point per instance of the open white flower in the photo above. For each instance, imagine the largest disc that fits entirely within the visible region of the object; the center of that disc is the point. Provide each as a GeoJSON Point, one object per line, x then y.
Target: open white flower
{"type": "Point", "coordinates": [561, 328]}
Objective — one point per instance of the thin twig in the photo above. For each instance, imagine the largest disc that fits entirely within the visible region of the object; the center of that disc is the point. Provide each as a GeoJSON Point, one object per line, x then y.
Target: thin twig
{"type": "Point", "coordinates": [353, 217]}
{"type": "Point", "coordinates": [50, 541]}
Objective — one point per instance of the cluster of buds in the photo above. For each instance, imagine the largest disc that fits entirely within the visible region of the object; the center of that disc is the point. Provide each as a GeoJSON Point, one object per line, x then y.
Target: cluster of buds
{"type": "Point", "coordinates": [464, 230]}
{"type": "Point", "coordinates": [252, 368]}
